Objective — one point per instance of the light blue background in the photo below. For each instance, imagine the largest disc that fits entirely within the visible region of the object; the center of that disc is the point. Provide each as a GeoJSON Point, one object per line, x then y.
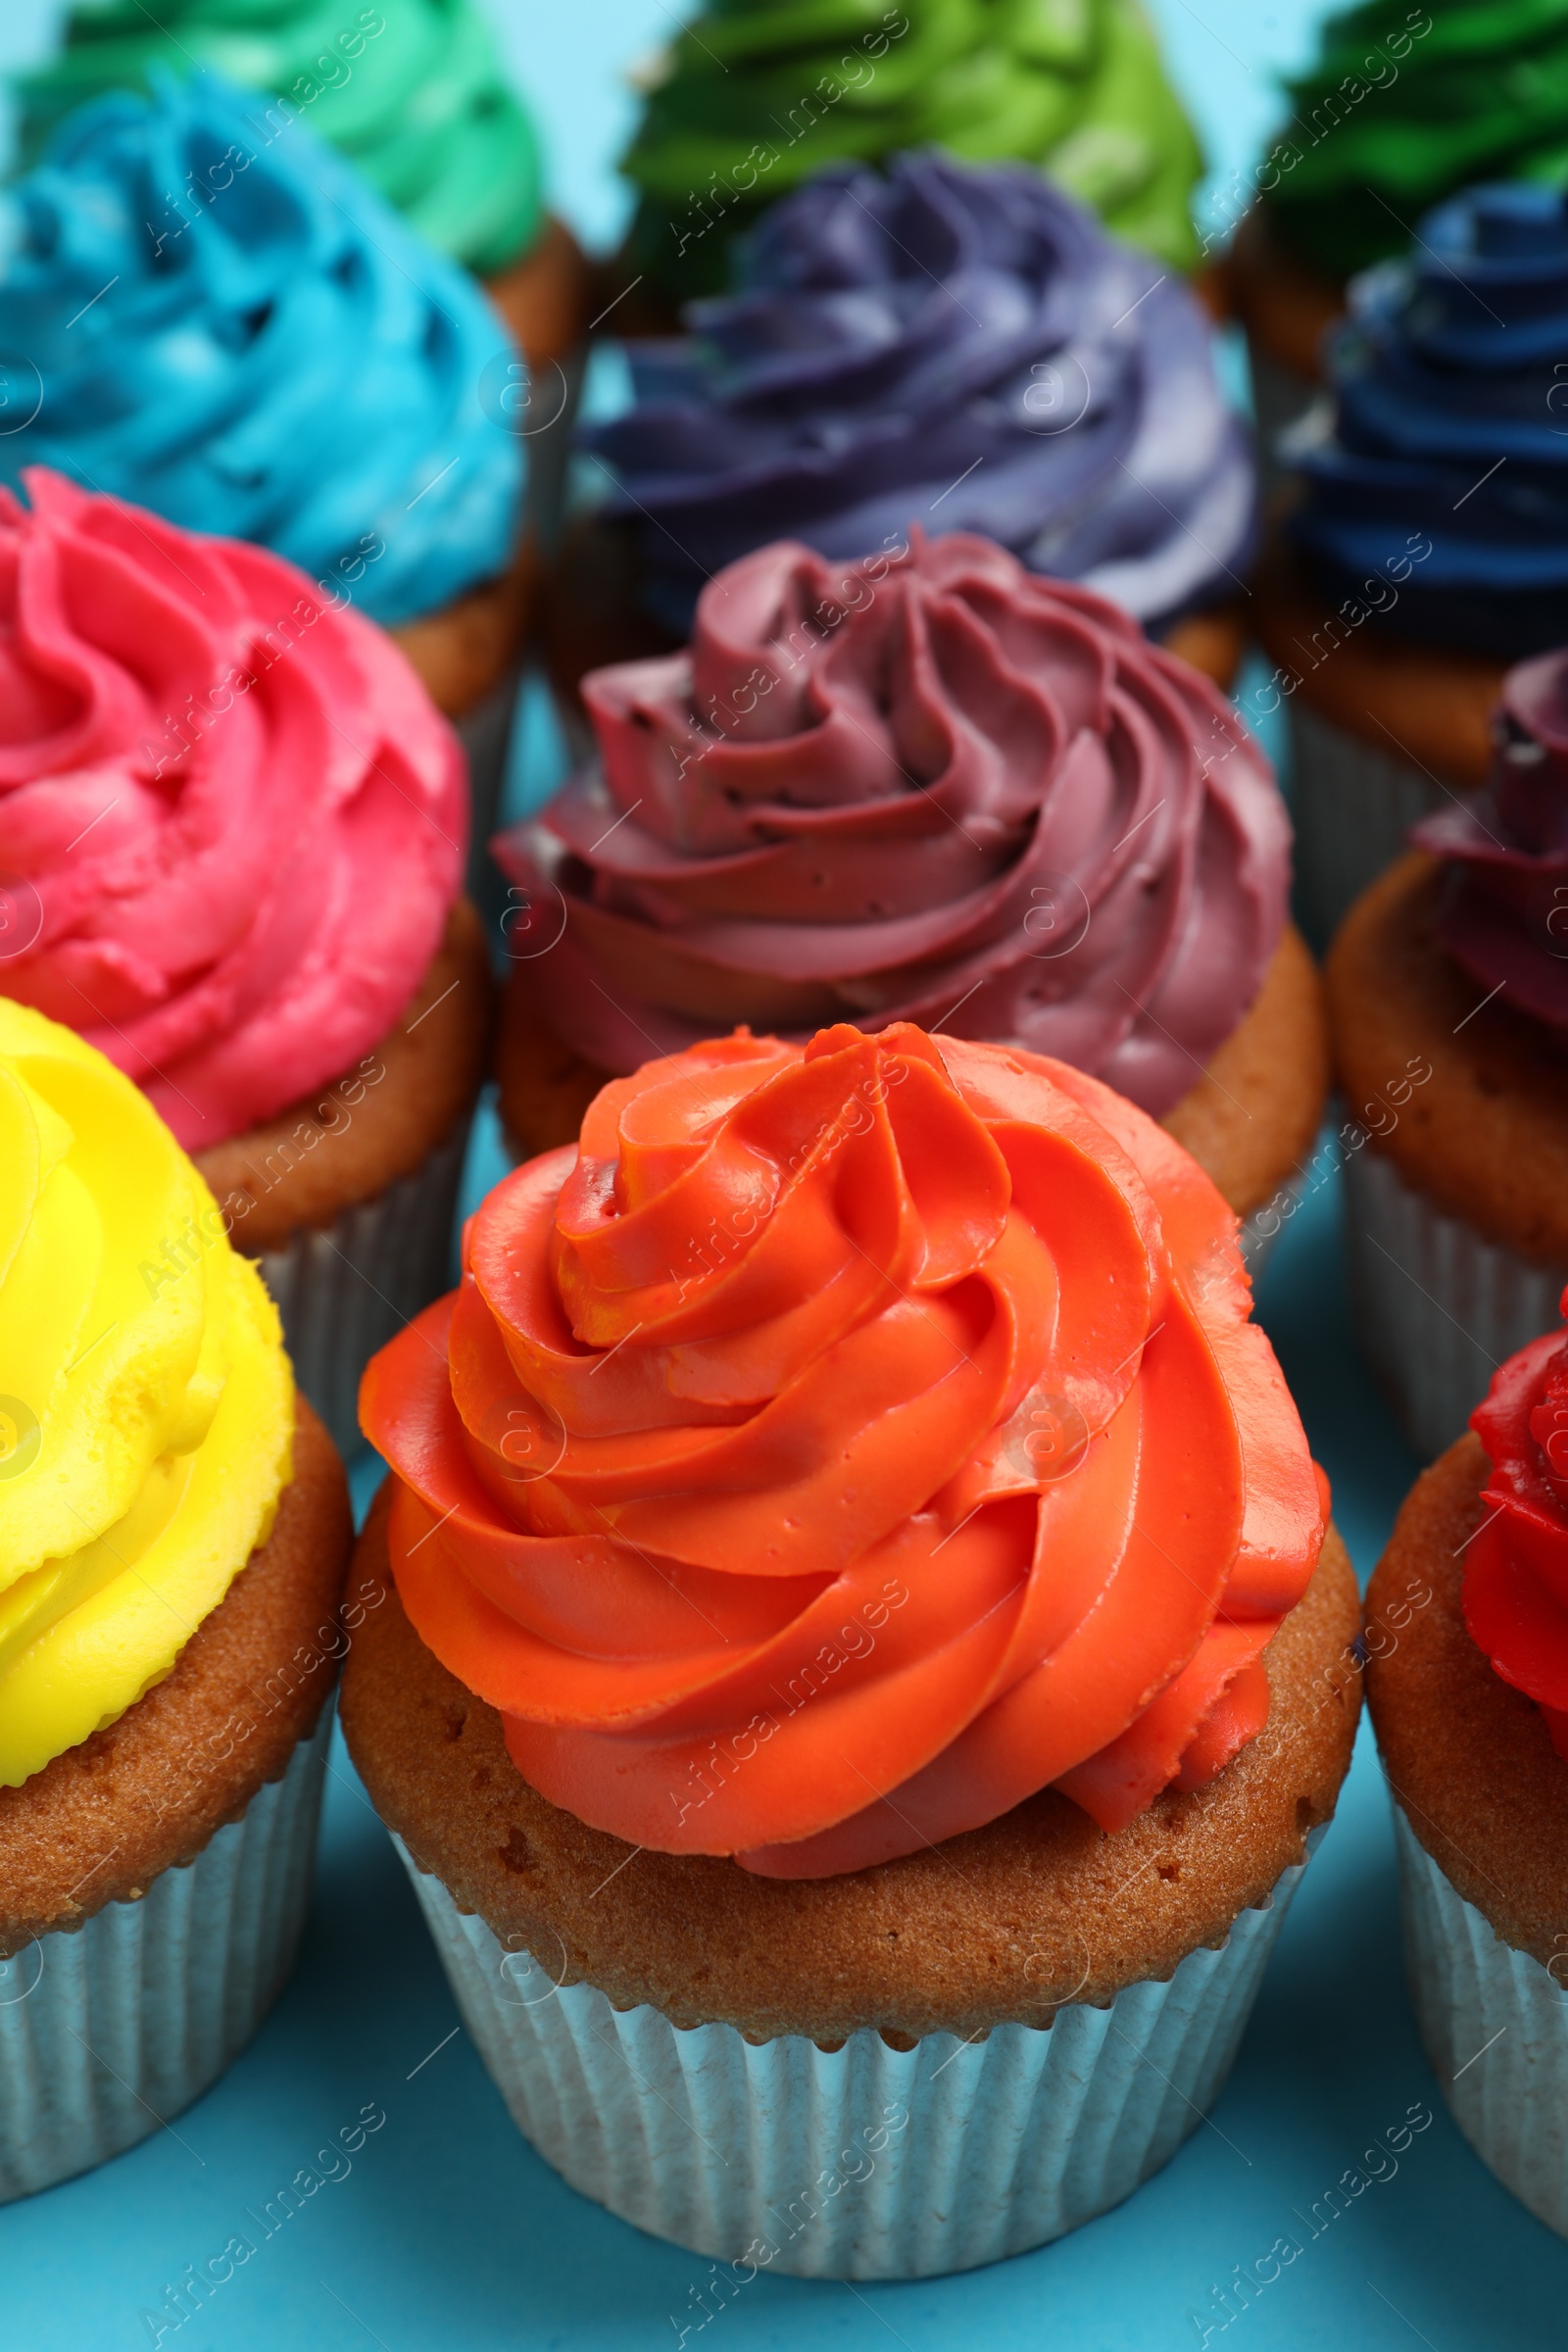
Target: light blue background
{"type": "Point", "coordinates": [449, 2232]}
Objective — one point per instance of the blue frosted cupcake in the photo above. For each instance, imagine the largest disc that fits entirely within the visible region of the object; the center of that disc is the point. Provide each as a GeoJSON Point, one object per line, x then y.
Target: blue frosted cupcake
{"type": "Point", "coordinates": [955, 345]}
{"type": "Point", "coordinates": [1429, 543]}
{"type": "Point", "coordinates": [223, 323]}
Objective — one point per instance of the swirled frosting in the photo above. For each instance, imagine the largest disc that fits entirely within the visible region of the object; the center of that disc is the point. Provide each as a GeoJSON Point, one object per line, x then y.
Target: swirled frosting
{"type": "Point", "coordinates": [1506, 920]}
{"type": "Point", "coordinates": [950, 343]}
{"type": "Point", "coordinates": [1451, 422]}
{"type": "Point", "coordinates": [1404, 106]}
{"type": "Point", "coordinates": [931, 787]}
{"type": "Point", "coordinates": [844, 1444]}
{"type": "Point", "coordinates": [754, 97]}
{"type": "Point", "coordinates": [232, 821]}
{"type": "Point", "coordinates": [227, 326]}
{"type": "Point", "coordinates": [1516, 1567]}
{"type": "Point", "coordinates": [146, 1404]}
{"type": "Point", "coordinates": [411, 90]}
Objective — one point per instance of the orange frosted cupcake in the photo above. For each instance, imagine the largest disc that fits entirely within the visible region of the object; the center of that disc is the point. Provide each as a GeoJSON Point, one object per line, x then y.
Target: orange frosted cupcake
{"type": "Point", "coordinates": [785, 1688]}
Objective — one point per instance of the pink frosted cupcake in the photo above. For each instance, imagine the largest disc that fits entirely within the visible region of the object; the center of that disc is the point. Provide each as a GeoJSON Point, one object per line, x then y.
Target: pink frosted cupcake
{"type": "Point", "coordinates": [233, 832]}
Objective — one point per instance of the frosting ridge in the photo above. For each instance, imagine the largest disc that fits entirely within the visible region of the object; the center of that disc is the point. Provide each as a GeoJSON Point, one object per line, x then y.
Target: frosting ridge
{"type": "Point", "coordinates": [930, 787]}
{"type": "Point", "coordinates": [1448, 422]}
{"type": "Point", "coordinates": [754, 97]}
{"type": "Point", "coordinates": [781, 1466]}
{"type": "Point", "coordinates": [411, 90]}
{"type": "Point", "coordinates": [945, 341]}
{"type": "Point", "coordinates": [1516, 1568]}
{"type": "Point", "coordinates": [227, 326]}
{"type": "Point", "coordinates": [146, 1426]}
{"type": "Point", "coordinates": [234, 822]}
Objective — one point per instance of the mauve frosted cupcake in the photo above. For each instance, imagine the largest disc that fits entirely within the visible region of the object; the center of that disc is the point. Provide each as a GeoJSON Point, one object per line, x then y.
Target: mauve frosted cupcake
{"type": "Point", "coordinates": [227, 324]}
{"type": "Point", "coordinates": [953, 345]}
{"type": "Point", "coordinates": [930, 787]}
{"type": "Point", "coordinates": [232, 833]}
{"type": "Point", "coordinates": [1467, 1678]}
{"type": "Point", "coordinates": [174, 1532]}
{"type": "Point", "coordinates": [813, 1763]}
{"type": "Point", "coordinates": [1454, 966]}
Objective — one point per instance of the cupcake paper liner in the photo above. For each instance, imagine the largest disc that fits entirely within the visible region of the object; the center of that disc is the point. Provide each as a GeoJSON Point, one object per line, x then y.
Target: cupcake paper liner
{"type": "Point", "coordinates": [1494, 2025]}
{"type": "Point", "coordinates": [550, 454]}
{"type": "Point", "coordinates": [1280, 399]}
{"type": "Point", "coordinates": [342, 1291]}
{"type": "Point", "coordinates": [864, 2161]}
{"type": "Point", "coordinates": [109, 2028]}
{"type": "Point", "coordinates": [1262, 1229]}
{"type": "Point", "coordinates": [485, 734]}
{"type": "Point", "coordinates": [1352, 805]}
{"type": "Point", "coordinates": [1436, 1308]}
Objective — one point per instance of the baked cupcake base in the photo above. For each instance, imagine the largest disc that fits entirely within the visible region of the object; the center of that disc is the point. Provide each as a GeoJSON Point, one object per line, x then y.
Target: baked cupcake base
{"type": "Point", "coordinates": [1480, 1812]}
{"type": "Point", "coordinates": [348, 1197]}
{"type": "Point", "coordinates": [1457, 1212]}
{"type": "Point", "coordinates": [1251, 1119]}
{"type": "Point", "coordinates": [796, 2014]}
{"type": "Point", "coordinates": [548, 299]}
{"type": "Point", "coordinates": [154, 1880]}
{"type": "Point", "coordinates": [1383, 731]}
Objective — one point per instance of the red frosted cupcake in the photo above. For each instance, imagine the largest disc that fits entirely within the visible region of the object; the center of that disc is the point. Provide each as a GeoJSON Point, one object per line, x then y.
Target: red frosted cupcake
{"type": "Point", "coordinates": [1468, 1686]}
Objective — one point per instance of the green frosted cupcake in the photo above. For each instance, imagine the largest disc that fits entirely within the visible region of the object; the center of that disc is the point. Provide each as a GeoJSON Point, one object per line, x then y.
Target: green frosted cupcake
{"type": "Point", "coordinates": [756, 95]}
{"type": "Point", "coordinates": [411, 90]}
{"type": "Point", "coordinates": [1467, 90]}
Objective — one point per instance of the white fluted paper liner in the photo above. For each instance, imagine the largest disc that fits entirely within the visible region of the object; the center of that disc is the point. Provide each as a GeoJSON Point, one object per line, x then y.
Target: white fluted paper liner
{"type": "Point", "coordinates": [485, 734]}
{"type": "Point", "coordinates": [1494, 2025]}
{"type": "Point", "coordinates": [1262, 1229]}
{"type": "Point", "coordinates": [1280, 399]}
{"type": "Point", "coordinates": [344, 1291]}
{"type": "Point", "coordinates": [1353, 805]}
{"type": "Point", "coordinates": [862, 2162]}
{"type": "Point", "coordinates": [1435, 1306]}
{"type": "Point", "coordinates": [109, 2030]}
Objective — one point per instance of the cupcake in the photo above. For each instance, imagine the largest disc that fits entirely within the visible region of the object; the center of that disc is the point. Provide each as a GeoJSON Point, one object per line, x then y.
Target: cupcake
{"type": "Point", "coordinates": [1467, 1678]}
{"type": "Point", "coordinates": [233, 833]}
{"type": "Point", "coordinates": [751, 99]}
{"type": "Point", "coordinates": [174, 1532]}
{"type": "Point", "coordinates": [232, 328]}
{"type": "Point", "coordinates": [929, 787]}
{"type": "Point", "coordinates": [1447, 992]}
{"type": "Point", "coordinates": [952, 344]}
{"type": "Point", "coordinates": [1430, 545]}
{"type": "Point", "coordinates": [791, 1726]}
{"type": "Point", "coordinates": [1400, 110]}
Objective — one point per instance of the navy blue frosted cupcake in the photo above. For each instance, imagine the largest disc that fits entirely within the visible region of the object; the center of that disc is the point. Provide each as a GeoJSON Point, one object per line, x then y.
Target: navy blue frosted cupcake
{"type": "Point", "coordinates": [1451, 420]}
{"type": "Point", "coordinates": [1429, 542]}
{"type": "Point", "coordinates": [954, 345]}
{"type": "Point", "coordinates": [220, 320]}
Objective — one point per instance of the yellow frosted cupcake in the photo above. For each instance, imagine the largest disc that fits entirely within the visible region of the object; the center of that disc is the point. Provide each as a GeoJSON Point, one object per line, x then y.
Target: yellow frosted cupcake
{"type": "Point", "coordinates": [174, 1528]}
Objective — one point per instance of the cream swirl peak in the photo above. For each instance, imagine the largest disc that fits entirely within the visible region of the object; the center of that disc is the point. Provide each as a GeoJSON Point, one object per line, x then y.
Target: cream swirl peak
{"type": "Point", "coordinates": [929, 787]}
{"type": "Point", "coordinates": [233, 822]}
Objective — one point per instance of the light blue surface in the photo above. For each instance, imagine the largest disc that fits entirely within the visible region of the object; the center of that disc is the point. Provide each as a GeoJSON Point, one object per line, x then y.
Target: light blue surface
{"type": "Point", "coordinates": [449, 2232]}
